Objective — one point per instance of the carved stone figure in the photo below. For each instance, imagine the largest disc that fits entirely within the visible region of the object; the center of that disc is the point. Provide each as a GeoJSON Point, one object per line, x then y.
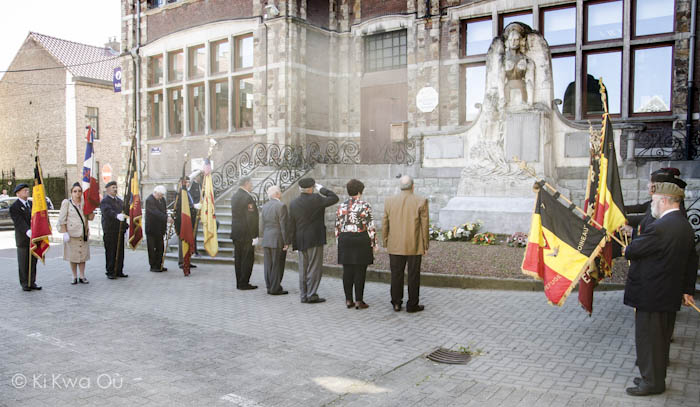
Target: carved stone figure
{"type": "Point", "coordinates": [519, 70]}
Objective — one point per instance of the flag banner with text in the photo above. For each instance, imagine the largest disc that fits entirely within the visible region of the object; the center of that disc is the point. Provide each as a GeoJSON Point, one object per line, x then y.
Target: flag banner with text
{"type": "Point", "coordinates": [41, 228]}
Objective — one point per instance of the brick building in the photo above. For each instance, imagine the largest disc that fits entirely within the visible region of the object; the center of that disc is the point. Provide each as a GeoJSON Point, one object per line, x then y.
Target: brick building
{"type": "Point", "coordinates": [54, 89]}
{"type": "Point", "coordinates": [333, 72]}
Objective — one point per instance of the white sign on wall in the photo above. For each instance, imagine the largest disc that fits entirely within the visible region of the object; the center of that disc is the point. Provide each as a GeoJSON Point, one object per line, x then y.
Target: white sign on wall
{"type": "Point", "coordinates": [427, 99]}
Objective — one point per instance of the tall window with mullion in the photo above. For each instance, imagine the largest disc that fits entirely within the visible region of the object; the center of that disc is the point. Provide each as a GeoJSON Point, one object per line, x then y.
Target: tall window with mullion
{"type": "Point", "coordinates": [196, 108]}
{"type": "Point", "coordinates": [385, 51]}
{"type": "Point", "coordinates": [92, 116]}
{"type": "Point", "coordinates": [218, 105]}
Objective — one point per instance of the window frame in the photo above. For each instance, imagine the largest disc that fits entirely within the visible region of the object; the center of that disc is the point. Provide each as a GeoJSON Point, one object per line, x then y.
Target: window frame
{"type": "Point", "coordinates": [190, 108]}
{"type": "Point", "coordinates": [567, 55]}
{"type": "Point", "coordinates": [633, 23]}
{"type": "Point", "coordinates": [463, 85]}
{"type": "Point", "coordinates": [463, 34]}
{"type": "Point", "coordinates": [151, 122]}
{"type": "Point", "coordinates": [631, 112]}
{"type": "Point", "coordinates": [190, 66]}
{"type": "Point", "coordinates": [236, 47]}
{"type": "Point", "coordinates": [96, 117]}
{"type": "Point", "coordinates": [554, 8]}
{"type": "Point", "coordinates": [586, 5]}
{"type": "Point", "coordinates": [584, 81]}
{"type": "Point", "coordinates": [212, 55]}
{"type": "Point", "coordinates": [236, 122]}
{"type": "Point", "coordinates": [373, 37]}
{"type": "Point", "coordinates": [183, 112]}
{"type": "Point", "coordinates": [502, 16]}
{"type": "Point", "coordinates": [151, 74]}
{"type": "Point", "coordinates": [212, 123]}
{"type": "Point", "coordinates": [170, 54]}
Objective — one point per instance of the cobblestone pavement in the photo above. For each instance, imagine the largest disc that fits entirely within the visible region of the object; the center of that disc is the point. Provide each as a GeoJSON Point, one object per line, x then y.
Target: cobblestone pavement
{"type": "Point", "coordinates": [162, 339]}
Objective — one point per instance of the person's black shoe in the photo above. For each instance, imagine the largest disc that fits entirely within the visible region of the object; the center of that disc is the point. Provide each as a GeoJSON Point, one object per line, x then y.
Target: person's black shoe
{"type": "Point", "coordinates": [417, 308]}
{"type": "Point", "coordinates": [397, 307]}
{"type": "Point", "coordinates": [83, 281]}
{"type": "Point", "coordinates": [164, 269]}
{"type": "Point", "coordinates": [315, 299]}
{"type": "Point", "coordinates": [283, 292]}
{"type": "Point", "coordinates": [157, 270]}
{"type": "Point", "coordinates": [637, 391]}
{"type": "Point", "coordinates": [122, 275]}
{"type": "Point", "coordinates": [248, 287]}
{"type": "Point", "coordinates": [111, 277]}
{"type": "Point", "coordinates": [35, 287]}
{"type": "Point", "coordinates": [75, 281]}
{"type": "Point", "coordinates": [26, 289]}
{"type": "Point", "coordinates": [304, 300]}
{"type": "Point", "coordinates": [193, 266]}
{"type": "Point", "coordinates": [637, 381]}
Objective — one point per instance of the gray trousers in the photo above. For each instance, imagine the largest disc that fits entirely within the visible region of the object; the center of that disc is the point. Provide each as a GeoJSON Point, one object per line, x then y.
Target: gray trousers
{"type": "Point", "coordinates": [275, 258]}
{"type": "Point", "coordinates": [652, 339]}
{"type": "Point", "coordinates": [310, 267]}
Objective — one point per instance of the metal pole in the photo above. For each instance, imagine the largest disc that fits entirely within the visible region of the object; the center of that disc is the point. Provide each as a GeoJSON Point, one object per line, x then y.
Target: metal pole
{"type": "Point", "coordinates": [691, 66]}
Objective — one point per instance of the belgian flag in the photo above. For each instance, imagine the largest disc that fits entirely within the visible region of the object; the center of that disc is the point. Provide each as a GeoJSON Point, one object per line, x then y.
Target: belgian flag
{"type": "Point", "coordinates": [609, 207]}
{"type": "Point", "coordinates": [134, 201]}
{"type": "Point", "coordinates": [560, 247]}
{"type": "Point", "coordinates": [41, 228]}
{"type": "Point", "coordinates": [183, 225]}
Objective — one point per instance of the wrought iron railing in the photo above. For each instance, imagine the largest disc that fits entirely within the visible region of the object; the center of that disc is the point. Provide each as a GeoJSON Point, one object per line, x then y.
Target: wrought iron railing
{"type": "Point", "coordinates": [667, 144]}
{"type": "Point", "coordinates": [289, 163]}
{"type": "Point", "coordinates": [693, 213]}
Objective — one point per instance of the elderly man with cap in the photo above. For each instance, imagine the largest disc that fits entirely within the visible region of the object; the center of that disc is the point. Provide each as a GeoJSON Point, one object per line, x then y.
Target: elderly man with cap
{"type": "Point", "coordinates": [113, 222]}
{"type": "Point", "coordinates": [639, 216]}
{"type": "Point", "coordinates": [307, 230]}
{"type": "Point", "coordinates": [21, 214]}
{"type": "Point", "coordinates": [157, 220]}
{"type": "Point", "coordinates": [661, 277]}
{"type": "Point", "coordinates": [274, 241]}
{"type": "Point", "coordinates": [244, 230]}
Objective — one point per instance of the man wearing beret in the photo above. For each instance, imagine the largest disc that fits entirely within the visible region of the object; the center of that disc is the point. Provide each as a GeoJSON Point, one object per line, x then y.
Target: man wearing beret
{"type": "Point", "coordinates": [639, 216]}
{"type": "Point", "coordinates": [21, 214]}
{"type": "Point", "coordinates": [244, 229]}
{"type": "Point", "coordinates": [114, 228]}
{"type": "Point", "coordinates": [307, 230]}
{"type": "Point", "coordinates": [661, 277]}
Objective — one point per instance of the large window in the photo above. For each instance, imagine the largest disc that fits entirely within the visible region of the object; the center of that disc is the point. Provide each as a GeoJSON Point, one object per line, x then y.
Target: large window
{"type": "Point", "coordinates": [559, 25]}
{"type": "Point", "coordinates": [176, 63]}
{"type": "Point", "coordinates": [475, 86]}
{"type": "Point", "coordinates": [477, 36]}
{"type": "Point", "coordinates": [564, 77]}
{"type": "Point", "coordinates": [220, 56]}
{"type": "Point", "coordinates": [198, 61]}
{"type": "Point", "coordinates": [155, 70]}
{"type": "Point", "coordinates": [385, 51]}
{"type": "Point", "coordinates": [195, 108]}
{"type": "Point", "coordinates": [92, 117]}
{"type": "Point", "coordinates": [155, 102]}
{"type": "Point", "coordinates": [652, 79]}
{"type": "Point", "coordinates": [218, 105]}
{"type": "Point", "coordinates": [608, 66]}
{"type": "Point", "coordinates": [175, 114]}
{"type": "Point", "coordinates": [244, 102]}
{"type": "Point", "coordinates": [244, 51]}
{"type": "Point", "coordinates": [603, 20]}
{"type": "Point", "coordinates": [653, 17]}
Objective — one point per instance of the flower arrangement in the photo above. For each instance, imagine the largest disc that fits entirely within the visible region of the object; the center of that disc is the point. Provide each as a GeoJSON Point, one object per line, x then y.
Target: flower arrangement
{"type": "Point", "coordinates": [485, 239]}
{"type": "Point", "coordinates": [464, 232]}
{"type": "Point", "coordinates": [517, 239]}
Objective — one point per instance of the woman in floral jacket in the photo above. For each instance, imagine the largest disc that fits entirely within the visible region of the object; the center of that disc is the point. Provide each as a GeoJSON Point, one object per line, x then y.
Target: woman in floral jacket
{"type": "Point", "coordinates": [357, 241]}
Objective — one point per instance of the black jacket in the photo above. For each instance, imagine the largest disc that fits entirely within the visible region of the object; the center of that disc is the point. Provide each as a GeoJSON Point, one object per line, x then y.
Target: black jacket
{"type": "Point", "coordinates": [664, 265]}
{"type": "Point", "coordinates": [156, 216]}
{"type": "Point", "coordinates": [244, 216]}
{"type": "Point", "coordinates": [22, 218]}
{"type": "Point", "coordinates": [195, 191]}
{"type": "Point", "coordinates": [307, 227]}
{"type": "Point", "coordinates": [110, 208]}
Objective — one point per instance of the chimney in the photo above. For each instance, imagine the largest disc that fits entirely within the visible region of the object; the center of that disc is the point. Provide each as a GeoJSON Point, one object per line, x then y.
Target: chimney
{"type": "Point", "coordinates": [113, 44]}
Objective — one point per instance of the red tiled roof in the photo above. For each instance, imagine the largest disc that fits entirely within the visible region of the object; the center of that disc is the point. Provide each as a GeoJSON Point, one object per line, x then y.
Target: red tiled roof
{"type": "Point", "coordinates": [81, 59]}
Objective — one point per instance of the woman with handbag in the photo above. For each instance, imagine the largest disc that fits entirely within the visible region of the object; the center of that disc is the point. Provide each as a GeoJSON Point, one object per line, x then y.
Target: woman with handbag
{"type": "Point", "coordinates": [76, 231]}
{"type": "Point", "coordinates": [357, 241]}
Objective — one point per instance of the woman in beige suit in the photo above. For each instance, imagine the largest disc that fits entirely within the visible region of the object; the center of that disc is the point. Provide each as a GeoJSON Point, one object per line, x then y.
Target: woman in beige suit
{"type": "Point", "coordinates": [76, 231]}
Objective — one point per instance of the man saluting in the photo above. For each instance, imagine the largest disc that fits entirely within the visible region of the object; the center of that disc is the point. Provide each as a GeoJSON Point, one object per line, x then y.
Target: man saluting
{"type": "Point", "coordinates": [21, 213]}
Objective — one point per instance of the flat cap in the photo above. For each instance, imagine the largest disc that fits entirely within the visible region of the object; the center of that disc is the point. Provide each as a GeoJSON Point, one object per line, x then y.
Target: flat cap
{"type": "Point", "coordinates": [306, 182]}
{"type": "Point", "coordinates": [19, 187]}
{"type": "Point", "coordinates": [667, 188]}
{"type": "Point", "coordinates": [110, 183]}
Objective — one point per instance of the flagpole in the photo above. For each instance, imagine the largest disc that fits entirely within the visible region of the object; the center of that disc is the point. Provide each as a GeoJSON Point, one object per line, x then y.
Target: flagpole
{"type": "Point", "coordinates": [36, 162]}
{"type": "Point", "coordinates": [121, 223]}
{"type": "Point", "coordinates": [169, 233]}
{"type": "Point", "coordinates": [531, 172]}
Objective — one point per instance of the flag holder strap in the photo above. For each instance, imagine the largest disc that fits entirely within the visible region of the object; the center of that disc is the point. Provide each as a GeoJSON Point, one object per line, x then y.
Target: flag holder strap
{"type": "Point", "coordinates": [542, 183]}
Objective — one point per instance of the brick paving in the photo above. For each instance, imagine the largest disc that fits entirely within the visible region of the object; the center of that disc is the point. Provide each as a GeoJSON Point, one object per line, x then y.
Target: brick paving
{"type": "Point", "coordinates": [162, 339]}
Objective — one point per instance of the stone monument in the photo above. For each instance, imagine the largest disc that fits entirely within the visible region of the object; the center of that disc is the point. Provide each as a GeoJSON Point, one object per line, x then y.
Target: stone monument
{"type": "Point", "coordinates": [516, 120]}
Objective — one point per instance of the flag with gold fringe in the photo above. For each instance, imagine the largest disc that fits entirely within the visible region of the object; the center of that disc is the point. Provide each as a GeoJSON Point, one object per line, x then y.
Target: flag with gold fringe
{"type": "Point", "coordinates": [135, 213]}
{"type": "Point", "coordinates": [207, 213]}
{"type": "Point", "coordinates": [41, 228]}
{"type": "Point", "coordinates": [183, 225]}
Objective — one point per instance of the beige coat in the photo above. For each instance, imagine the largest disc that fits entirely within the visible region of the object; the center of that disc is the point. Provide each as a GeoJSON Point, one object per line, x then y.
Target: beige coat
{"type": "Point", "coordinates": [405, 225]}
{"type": "Point", "coordinates": [71, 219]}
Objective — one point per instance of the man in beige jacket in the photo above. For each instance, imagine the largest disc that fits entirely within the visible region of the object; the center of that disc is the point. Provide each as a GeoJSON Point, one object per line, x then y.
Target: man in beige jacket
{"type": "Point", "coordinates": [405, 234]}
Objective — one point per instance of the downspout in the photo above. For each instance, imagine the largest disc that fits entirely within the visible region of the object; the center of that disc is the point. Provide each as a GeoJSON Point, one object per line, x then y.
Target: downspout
{"type": "Point", "coordinates": [691, 67]}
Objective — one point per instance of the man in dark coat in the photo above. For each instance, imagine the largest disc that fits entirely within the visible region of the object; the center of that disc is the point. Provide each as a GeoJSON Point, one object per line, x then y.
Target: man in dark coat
{"type": "Point", "coordinates": [661, 276]}
{"type": "Point", "coordinates": [307, 229]}
{"type": "Point", "coordinates": [274, 241]}
{"type": "Point", "coordinates": [244, 228]}
{"type": "Point", "coordinates": [21, 214]}
{"type": "Point", "coordinates": [157, 220]}
{"type": "Point", "coordinates": [639, 216]}
{"type": "Point", "coordinates": [114, 227]}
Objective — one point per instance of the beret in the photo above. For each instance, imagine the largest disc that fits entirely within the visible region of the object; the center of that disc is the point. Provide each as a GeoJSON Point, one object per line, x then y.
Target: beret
{"type": "Point", "coordinates": [110, 183]}
{"type": "Point", "coordinates": [306, 182]}
{"type": "Point", "coordinates": [667, 188]}
{"type": "Point", "coordinates": [20, 187]}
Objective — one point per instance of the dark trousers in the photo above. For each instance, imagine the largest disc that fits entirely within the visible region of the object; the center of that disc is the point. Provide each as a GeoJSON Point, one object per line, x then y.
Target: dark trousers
{"type": "Point", "coordinates": [275, 258]}
{"type": "Point", "coordinates": [155, 247]}
{"type": "Point", "coordinates": [354, 274]}
{"type": "Point", "coordinates": [114, 262]}
{"type": "Point", "coordinates": [195, 227]}
{"type": "Point", "coordinates": [652, 341]}
{"type": "Point", "coordinates": [23, 263]}
{"type": "Point", "coordinates": [243, 257]}
{"type": "Point", "coordinates": [397, 264]}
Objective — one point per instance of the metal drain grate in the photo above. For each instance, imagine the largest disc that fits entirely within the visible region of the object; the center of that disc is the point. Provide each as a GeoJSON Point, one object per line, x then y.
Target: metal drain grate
{"type": "Point", "coordinates": [453, 357]}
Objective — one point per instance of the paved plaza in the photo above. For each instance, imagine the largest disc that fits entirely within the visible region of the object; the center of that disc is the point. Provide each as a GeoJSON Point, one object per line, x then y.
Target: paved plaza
{"type": "Point", "coordinates": [163, 339]}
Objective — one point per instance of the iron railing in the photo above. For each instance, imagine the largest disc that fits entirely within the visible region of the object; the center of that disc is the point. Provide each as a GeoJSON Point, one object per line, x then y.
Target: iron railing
{"type": "Point", "coordinates": [667, 144]}
{"type": "Point", "coordinates": [693, 213]}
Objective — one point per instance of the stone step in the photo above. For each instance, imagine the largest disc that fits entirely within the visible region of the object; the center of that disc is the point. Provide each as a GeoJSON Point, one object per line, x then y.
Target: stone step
{"type": "Point", "coordinates": [221, 258]}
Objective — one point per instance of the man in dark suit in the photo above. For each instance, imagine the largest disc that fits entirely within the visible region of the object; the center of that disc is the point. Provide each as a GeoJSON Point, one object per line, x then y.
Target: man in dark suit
{"type": "Point", "coordinates": [274, 242]}
{"type": "Point", "coordinates": [114, 227]}
{"type": "Point", "coordinates": [639, 216]}
{"type": "Point", "coordinates": [157, 220]}
{"type": "Point", "coordinates": [661, 276]}
{"type": "Point", "coordinates": [307, 229]}
{"type": "Point", "coordinates": [21, 214]}
{"type": "Point", "coordinates": [244, 228]}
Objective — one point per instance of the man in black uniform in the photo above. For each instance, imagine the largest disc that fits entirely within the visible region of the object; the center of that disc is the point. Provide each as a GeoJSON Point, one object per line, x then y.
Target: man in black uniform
{"type": "Point", "coordinates": [661, 276]}
{"type": "Point", "coordinates": [639, 216]}
{"type": "Point", "coordinates": [244, 228]}
{"type": "Point", "coordinates": [21, 214]}
{"type": "Point", "coordinates": [157, 220]}
{"type": "Point", "coordinates": [113, 222]}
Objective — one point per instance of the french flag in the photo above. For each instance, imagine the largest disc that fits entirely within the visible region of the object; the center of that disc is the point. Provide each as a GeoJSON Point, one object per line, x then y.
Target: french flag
{"type": "Point", "coordinates": [91, 189]}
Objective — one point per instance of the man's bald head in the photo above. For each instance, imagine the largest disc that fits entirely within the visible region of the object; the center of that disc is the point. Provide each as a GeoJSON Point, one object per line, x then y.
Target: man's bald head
{"type": "Point", "coordinates": [406, 183]}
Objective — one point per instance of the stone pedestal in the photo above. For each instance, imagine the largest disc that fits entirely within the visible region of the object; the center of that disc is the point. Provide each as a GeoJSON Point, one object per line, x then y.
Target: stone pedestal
{"type": "Point", "coordinates": [504, 215]}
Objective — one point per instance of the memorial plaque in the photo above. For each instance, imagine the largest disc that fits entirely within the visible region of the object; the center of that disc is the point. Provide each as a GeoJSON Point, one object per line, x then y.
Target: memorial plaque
{"type": "Point", "coordinates": [523, 136]}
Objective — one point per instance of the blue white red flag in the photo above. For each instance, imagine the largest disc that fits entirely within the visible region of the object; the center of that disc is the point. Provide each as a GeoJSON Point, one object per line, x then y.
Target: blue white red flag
{"type": "Point", "coordinates": [91, 188]}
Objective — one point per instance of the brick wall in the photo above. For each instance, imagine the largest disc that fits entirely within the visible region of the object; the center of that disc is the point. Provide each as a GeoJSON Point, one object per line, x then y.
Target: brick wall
{"type": "Point", "coordinates": [371, 9]}
{"type": "Point", "coordinates": [317, 12]}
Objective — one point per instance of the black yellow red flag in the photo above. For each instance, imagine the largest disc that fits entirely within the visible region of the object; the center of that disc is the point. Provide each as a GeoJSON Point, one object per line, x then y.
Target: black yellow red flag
{"type": "Point", "coordinates": [183, 225]}
{"type": "Point", "coordinates": [41, 228]}
{"type": "Point", "coordinates": [560, 247]}
{"type": "Point", "coordinates": [134, 201]}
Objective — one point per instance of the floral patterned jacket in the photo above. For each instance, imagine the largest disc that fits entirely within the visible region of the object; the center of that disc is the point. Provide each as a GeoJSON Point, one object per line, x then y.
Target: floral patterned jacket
{"type": "Point", "coordinates": [355, 216]}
